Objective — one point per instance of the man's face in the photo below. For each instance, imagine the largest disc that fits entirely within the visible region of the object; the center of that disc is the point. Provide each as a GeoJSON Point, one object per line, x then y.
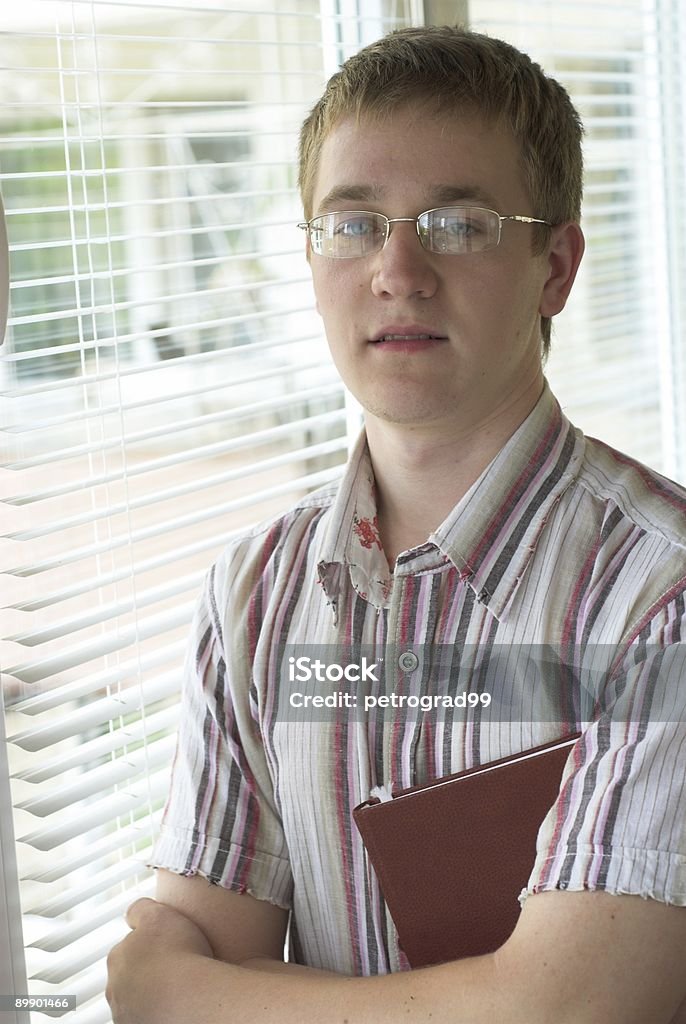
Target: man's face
{"type": "Point", "coordinates": [482, 309]}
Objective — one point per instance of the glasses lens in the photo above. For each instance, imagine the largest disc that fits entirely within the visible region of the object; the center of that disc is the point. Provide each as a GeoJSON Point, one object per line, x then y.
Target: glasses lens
{"type": "Point", "coordinates": [459, 229]}
{"type": "Point", "coordinates": [342, 235]}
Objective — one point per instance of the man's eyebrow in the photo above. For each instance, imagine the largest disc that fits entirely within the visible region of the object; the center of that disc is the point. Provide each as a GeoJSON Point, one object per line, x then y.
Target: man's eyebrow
{"type": "Point", "coordinates": [350, 193]}
{"type": "Point", "coordinates": [447, 194]}
{"type": "Point", "coordinates": [438, 195]}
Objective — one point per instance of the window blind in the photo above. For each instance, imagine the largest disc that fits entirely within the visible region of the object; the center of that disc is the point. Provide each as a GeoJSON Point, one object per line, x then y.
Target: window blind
{"type": "Point", "coordinates": [165, 383]}
{"type": "Point", "coordinates": [617, 354]}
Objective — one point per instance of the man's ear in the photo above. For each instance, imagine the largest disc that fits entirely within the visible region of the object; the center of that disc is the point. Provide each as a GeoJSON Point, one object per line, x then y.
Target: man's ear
{"type": "Point", "coordinates": [564, 256]}
{"type": "Point", "coordinates": [4, 274]}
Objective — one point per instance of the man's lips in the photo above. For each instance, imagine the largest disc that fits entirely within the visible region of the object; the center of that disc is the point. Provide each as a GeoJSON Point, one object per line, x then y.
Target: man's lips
{"type": "Point", "coordinates": [410, 335]}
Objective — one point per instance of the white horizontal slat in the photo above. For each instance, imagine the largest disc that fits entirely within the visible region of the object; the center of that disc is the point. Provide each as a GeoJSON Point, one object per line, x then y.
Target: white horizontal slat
{"type": "Point", "coordinates": [635, 391]}
{"type": "Point", "coordinates": [171, 44]}
{"type": "Point", "coordinates": [96, 240]}
{"type": "Point", "coordinates": [116, 576]}
{"type": "Point", "coordinates": [113, 342]}
{"type": "Point", "coordinates": [103, 613]}
{"type": "Point", "coordinates": [79, 653]}
{"type": "Point", "coordinates": [279, 404]}
{"type": "Point", "coordinates": [119, 842]}
{"type": "Point", "coordinates": [61, 937]}
{"type": "Point", "coordinates": [584, 16]}
{"type": "Point", "coordinates": [124, 272]}
{"type": "Point", "coordinates": [90, 684]}
{"type": "Point", "coordinates": [104, 105]}
{"type": "Point", "coordinates": [68, 899]}
{"type": "Point", "coordinates": [245, 410]}
{"type": "Point", "coordinates": [123, 372]}
{"type": "Point", "coordinates": [99, 206]}
{"type": "Point", "coordinates": [304, 483]}
{"type": "Point", "coordinates": [127, 9]}
{"type": "Point", "coordinates": [55, 138]}
{"type": "Point", "coordinates": [179, 72]}
{"type": "Point", "coordinates": [327, 386]}
{"type": "Point", "coordinates": [95, 713]}
{"type": "Point", "coordinates": [118, 307]}
{"type": "Point", "coordinates": [97, 174]}
{"type": "Point", "coordinates": [120, 804]}
{"type": "Point", "coordinates": [98, 780]}
{"type": "Point", "coordinates": [199, 298]}
{"type": "Point", "coordinates": [71, 275]}
{"type": "Point", "coordinates": [114, 739]}
{"type": "Point", "coordinates": [81, 955]}
{"type": "Point", "coordinates": [251, 440]}
{"type": "Point", "coordinates": [56, 525]}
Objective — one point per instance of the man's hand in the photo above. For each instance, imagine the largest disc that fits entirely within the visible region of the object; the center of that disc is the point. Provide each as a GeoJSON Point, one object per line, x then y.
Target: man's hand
{"type": "Point", "coordinates": [139, 965]}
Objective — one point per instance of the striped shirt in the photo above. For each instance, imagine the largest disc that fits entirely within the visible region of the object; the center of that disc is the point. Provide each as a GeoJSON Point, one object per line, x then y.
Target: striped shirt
{"type": "Point", "coordinates": [564, 555]}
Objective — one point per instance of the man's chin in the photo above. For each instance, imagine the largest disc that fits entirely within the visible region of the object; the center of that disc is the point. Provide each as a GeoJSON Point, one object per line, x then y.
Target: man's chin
{"type": "Point", "coordinates": [403, 414]}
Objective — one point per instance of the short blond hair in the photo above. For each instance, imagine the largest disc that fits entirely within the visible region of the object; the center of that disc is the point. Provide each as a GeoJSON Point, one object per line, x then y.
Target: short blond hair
{"type": "Point", "coordinates": [454, 69]}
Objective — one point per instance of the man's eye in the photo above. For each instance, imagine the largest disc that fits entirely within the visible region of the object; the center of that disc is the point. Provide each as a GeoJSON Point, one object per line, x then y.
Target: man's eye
{"type": "Point", "coordinates": [461, 227]}
{"type": "Point", "coordinates": [359, 227]}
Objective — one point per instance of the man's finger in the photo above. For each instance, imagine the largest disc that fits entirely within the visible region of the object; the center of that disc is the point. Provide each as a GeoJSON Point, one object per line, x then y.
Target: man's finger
{"type": "Point", "coordinates": [137, 912]}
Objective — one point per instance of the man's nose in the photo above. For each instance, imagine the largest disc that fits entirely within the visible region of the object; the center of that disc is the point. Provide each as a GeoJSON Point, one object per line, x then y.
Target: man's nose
{"type": "Point", "coordinates": [403, 268]}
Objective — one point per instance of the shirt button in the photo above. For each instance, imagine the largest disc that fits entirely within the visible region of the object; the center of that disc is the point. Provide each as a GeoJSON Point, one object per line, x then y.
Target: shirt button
{"type": "Point", "coordinates": [408, 661]}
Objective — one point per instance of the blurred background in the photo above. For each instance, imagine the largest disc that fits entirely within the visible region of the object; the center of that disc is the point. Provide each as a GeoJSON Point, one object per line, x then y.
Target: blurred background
{"type": "Point", "coordinates": [165, 380]}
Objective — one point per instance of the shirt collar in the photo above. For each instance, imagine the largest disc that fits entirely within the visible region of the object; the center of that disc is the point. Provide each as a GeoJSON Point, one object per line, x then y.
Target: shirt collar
{"type": "Point", "coordinates": [491, 534]}
{"type": "Point", "coordinates": [352, 540]}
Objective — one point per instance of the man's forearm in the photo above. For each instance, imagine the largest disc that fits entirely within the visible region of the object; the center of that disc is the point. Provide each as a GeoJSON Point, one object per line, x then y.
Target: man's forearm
{"type": "Point", "coordinates": [197, 989]}
{"type": "Point", "coordinates": [574, 958]}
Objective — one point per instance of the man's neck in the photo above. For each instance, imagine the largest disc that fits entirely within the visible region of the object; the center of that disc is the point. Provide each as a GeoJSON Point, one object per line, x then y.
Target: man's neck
{"type": "Point", "coordinates": [422, 473]}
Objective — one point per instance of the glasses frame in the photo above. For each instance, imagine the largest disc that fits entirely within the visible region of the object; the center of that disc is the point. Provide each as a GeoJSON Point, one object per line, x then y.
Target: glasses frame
{"type": "Point", "coordinates": [306, 225]}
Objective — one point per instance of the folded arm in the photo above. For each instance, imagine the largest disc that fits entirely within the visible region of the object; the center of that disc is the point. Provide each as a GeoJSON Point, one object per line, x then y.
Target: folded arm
{"type": "Point", "coordinates": [575, 958]}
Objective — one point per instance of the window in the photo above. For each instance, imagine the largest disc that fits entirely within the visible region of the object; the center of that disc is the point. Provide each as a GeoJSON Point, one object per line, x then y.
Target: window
{"type": "Point", "coordinates": [616, 359]}
{"type": "Point", "coordinates": [165, 381]}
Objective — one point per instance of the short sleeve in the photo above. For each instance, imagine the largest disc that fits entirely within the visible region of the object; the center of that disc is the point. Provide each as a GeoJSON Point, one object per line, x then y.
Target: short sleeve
{"type": "Point", "coordinates": [619, 824]}
{"type": "Point", "coordinates": [220, 819]}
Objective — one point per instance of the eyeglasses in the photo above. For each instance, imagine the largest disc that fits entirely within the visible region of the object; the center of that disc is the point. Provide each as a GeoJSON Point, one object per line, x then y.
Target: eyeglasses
{"type": "Point", "coordinates": [452, 230]}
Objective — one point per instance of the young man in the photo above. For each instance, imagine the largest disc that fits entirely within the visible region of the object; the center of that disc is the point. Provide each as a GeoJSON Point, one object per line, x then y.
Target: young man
{"type": "Point", "coordinates": [441, 181]}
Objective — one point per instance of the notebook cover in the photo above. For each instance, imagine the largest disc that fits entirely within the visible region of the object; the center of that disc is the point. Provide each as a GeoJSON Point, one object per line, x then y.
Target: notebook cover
{"type": "Point", "coordinates": [452, 856]}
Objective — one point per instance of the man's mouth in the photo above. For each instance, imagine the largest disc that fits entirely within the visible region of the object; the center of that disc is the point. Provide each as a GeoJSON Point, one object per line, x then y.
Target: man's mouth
{"type": "Point", "coordinates": [407, 341]}
{"type": "Point", "coordinates": [407, 334]}
{"type": "Point", "coordinates": [410, 337]}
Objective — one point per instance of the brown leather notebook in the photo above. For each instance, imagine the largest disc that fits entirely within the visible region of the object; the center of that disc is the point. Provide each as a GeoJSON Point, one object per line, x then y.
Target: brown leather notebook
{"type": "Point", "coordinates": [452, 856]}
